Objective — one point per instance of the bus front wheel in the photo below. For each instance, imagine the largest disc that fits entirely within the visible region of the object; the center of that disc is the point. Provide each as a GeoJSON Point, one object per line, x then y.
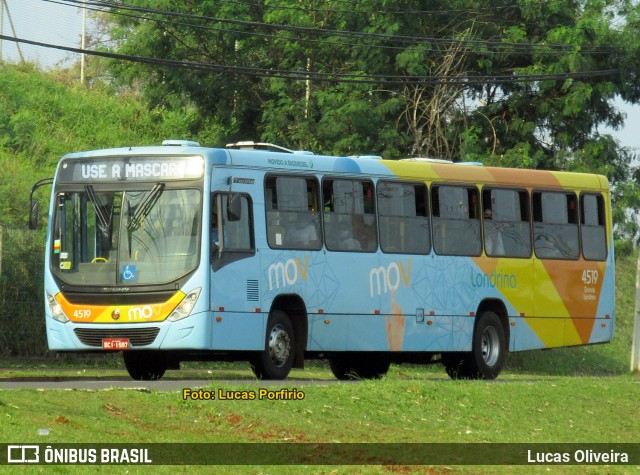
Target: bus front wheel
{"type": "Point", "coordinates": [145, 365]}
{"type": "Point", "coordinates": [486, 359]}
{"type": "Point", "coordinates": [276, 360]}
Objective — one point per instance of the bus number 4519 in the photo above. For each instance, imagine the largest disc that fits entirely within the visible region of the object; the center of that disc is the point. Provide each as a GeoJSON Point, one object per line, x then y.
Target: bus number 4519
{"type": "Point", "coordinates": [83, 313]}
{"type": "Point", "coordinates": [590, 277]}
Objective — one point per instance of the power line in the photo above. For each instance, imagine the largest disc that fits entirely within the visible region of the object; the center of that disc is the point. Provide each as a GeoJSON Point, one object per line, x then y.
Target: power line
{"type": "Point", "coordinates": [308, 8]}
{"type": "Point", "coordinates": [267, 36]}
{"type": "Point", "coordinates": [402, 39]}
{"type": "Point", "coordinates": [328, 77]}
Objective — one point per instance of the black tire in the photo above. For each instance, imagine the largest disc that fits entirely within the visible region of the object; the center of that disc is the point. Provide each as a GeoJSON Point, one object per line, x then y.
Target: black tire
{"type": "Point", "coordinates": [486, 359]}
{"type": "Point", "coordinates": [355, 366]}
{"type": "Point", "coordinates": [456, 365]}
{"type": "Point", "coordinates": [489, 346]}
{"type": "Point", "coordinates": [145, 365]}
{"type": "Point", "coordinates": [276, 360]}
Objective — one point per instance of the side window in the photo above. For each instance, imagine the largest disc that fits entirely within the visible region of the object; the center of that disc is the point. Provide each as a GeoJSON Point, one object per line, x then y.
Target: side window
{"type": "Point", "coordinates": [349, 215]}
{"type": "Point", "coordinates": [293, 212]}
{"type": "Point", "coordinates": [67, 242]}
{"type": "Point", "coordinates": [456, 220]}
{"type": "Point", "coordinates": [404, 218]}
{"type": "Point", "coordinates": [594, 240]}
{"type": "Point", "coordinates": [555, 228]}
{"type": "Point", "coordinates": [232, 222]}
{"type": "Point", "coordinates": [79, 235]}
{"type": "Point", "coordinates": [506, 223]}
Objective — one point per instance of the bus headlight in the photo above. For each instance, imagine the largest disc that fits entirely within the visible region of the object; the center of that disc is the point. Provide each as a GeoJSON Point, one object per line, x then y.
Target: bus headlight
{"type": "Point", "coordinates": [56, 309]}
{"type": "Point", "coordinates": [185, 307]}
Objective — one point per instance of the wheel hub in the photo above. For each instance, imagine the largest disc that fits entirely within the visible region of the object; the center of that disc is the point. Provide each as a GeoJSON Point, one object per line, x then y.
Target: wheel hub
{"type": "Point", "coordinates": [490, 346]}
{"type": "Point", "coordinates": [279, 345]}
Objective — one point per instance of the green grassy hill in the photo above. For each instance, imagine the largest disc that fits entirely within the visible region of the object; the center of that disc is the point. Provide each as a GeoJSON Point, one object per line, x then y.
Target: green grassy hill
{"type": "Point", "coordinates": [45, 115]}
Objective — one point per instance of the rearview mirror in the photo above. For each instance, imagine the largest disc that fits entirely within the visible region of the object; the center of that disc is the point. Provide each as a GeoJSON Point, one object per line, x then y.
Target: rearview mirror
{"type": "Point", "coordinates": [33, 215]}
{"type": "Point", "coordinates": [34, 205]}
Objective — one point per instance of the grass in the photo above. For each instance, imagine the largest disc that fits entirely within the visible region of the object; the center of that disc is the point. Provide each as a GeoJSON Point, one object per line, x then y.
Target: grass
{"type": "Point", "coordinates": [408, 406]}
{"type": "Point", "coordinates": [574, 395]}
{"type": "Point", "coordinates": [428, 409]}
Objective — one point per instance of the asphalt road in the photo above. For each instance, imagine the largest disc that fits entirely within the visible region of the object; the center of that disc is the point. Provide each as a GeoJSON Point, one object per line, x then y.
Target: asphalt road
{"type": "Point", "coordinates": [165, 384]}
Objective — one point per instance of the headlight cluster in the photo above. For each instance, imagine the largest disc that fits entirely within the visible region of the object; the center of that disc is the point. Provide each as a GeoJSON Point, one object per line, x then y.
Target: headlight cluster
{"type": "Point", "coordinates": [56, 309]}
{"type": "Point", "coordinates": [185, 307]}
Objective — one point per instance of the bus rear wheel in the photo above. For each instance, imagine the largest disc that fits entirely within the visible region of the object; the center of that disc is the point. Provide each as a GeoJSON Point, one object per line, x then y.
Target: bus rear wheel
{"type": "Point", "coordinates": [353, 366]}
{"type": "Point", "coordinates": [276, 360]}
{"type": "Point", "coordinates": [486, 359]}
{"type": "Point", "coordinates": [145, 365]}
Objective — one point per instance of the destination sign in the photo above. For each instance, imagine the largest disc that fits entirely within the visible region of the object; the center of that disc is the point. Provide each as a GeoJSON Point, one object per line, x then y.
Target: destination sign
{"type": "Point", "coordinates": [119, 169]}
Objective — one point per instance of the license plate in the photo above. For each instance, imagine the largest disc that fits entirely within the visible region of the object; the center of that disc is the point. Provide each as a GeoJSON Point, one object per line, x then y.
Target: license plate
{"type": "Point", "coordinates": [115, 344]}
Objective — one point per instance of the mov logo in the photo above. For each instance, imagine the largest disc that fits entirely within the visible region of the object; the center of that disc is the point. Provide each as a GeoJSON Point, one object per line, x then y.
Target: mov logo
{"type": "Point", "coordinates": [288, 273]}
{"type": "Point", "coordinates": [389, 278]}
{"type": "Point", "coordinates": [23, 454]}
{"type": "Point", "coordinates": [140, 313]}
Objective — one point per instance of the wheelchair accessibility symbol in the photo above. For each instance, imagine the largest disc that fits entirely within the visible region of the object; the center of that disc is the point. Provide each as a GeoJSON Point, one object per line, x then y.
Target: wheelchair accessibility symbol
{"type": "Point", "coordinates": [128, 272]}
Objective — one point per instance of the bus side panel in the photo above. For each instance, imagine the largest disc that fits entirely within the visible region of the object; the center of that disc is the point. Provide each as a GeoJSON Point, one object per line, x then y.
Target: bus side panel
{"type": "Point", "coordinates": [327, 332]}
{"type": "Point", "coordinates": [457, 286]}
{"type": "Point", "coordinates": [238, 319]}
{"type": "Point", "coordinates": [510, 281]}
{"type": "Point", "coordinates": [605, 323]}
{"type": "Point", "coordinates": [522, 335]}
{"type": "Point", "coordinates": [428, 333]}
{"type": "Point", "coordinates": [426, 303]}
{"type": "Point", "coordinates": [239, 331]}
{"type": "Point", "coordinates": [408, 287]}
{"type": "Point", "coordinates": [567, 303]}
{"type": "Point", "coordinates": [334, 288]}
{"type": "Point", "coordinates": [429, 303]}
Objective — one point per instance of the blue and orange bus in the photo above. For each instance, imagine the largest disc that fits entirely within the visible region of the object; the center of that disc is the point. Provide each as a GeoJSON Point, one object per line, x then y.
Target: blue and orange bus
{"type": "Point", "coordinates": [253, 252]}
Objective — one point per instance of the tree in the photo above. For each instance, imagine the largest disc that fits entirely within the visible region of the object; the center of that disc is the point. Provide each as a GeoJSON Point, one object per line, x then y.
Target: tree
{"type": "Point", "coordinates": [428, 107]}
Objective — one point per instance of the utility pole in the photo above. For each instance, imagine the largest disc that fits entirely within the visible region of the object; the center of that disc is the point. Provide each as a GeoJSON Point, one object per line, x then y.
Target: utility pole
{"type": "Point", "coordinates": [1, 25]}
{"type": "Point", "coordinates": [1, 233]}
{"type": "Point", "coordinates": [635, 347]}
{"type": "Point", "coordinates": [5, 7]}
{"type": "Point", "coordinates": [83, 42]}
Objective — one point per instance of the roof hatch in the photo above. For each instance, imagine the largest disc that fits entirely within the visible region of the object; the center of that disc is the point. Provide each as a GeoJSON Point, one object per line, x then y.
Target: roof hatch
{"type": "Point", "coordinates": [180, 143]}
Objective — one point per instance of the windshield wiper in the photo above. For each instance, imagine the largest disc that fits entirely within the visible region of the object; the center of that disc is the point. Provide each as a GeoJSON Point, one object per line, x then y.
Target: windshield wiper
{"type": "Point", "coordinates": [143, 210]}
{"type": "Point", "coordinates": [104, 221]}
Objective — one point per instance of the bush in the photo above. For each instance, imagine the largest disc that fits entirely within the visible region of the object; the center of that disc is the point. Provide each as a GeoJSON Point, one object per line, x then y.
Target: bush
{"type": "Point", "coordinates": [21, 294]}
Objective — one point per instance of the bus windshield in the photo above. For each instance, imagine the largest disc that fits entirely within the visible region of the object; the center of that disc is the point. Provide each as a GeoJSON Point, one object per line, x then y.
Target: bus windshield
{"type": "Point", "coordinates": [135, 237]}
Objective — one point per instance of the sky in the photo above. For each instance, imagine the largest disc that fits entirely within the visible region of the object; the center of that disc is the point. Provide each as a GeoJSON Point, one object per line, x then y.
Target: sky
{"type": "Point", "coordinates": [49, 22]}
{"type": "Point", "coordinates": [43, 21]}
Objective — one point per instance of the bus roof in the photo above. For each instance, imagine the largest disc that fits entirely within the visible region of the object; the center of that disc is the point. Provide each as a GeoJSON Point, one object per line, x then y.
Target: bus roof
{"type": "Point", "coordinates": [367, 166]}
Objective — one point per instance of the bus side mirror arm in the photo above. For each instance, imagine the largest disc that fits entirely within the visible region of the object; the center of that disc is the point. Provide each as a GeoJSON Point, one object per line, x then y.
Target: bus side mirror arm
{"type": "Point", "coordinates": [34, 206]}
